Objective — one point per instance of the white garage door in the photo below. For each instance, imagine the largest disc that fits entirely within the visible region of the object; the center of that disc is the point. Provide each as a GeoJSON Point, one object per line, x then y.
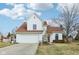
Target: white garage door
{"type": "Point", "coordinates": [28, 38]}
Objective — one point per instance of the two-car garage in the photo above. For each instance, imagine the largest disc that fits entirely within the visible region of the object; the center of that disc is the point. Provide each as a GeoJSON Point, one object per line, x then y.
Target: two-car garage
{"type": "Point", "coordinates": [29, 37]}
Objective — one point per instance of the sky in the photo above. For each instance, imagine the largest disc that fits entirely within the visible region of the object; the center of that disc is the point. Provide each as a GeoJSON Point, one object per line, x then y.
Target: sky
{"type": "Point", "coordinates": [13, 14]}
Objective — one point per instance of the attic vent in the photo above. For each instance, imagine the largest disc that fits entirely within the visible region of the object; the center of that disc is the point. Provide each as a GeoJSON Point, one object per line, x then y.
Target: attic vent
{"type": "Point", "coordinates": [34, 17]}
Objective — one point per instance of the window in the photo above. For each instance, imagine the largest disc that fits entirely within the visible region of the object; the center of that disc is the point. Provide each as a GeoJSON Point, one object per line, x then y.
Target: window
{"type": "Point", "coordinates": [34, 26]}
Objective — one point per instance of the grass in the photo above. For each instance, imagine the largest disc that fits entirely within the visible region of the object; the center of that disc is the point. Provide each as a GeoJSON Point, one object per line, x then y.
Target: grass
{"type": "Point", "coordinates": [59, 49]}
{"type": "Point", "coordinates": [4, 44]}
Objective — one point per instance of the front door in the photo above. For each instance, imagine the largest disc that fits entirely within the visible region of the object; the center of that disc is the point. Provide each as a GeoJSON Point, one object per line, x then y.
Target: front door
{"type": "Point", "coordinates": [56, 37]}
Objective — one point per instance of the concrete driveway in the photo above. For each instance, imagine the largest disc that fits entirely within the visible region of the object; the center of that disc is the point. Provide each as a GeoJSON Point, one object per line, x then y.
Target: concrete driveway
{"type": "Point", "coordinates": [19, 49]}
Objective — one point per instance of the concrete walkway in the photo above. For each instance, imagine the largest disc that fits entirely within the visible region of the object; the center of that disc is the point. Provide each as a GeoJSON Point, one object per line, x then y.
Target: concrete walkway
{"type": "Point", "coordinates": [19, 49]}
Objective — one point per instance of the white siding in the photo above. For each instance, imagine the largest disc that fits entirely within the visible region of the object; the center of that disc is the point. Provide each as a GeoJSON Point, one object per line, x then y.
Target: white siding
{"type": "Point", "coordinates": [28, 38]}
{"type": "Point", "coordinates": [32, 20]}
{"type": "Point", "coordinates": [52, 36]}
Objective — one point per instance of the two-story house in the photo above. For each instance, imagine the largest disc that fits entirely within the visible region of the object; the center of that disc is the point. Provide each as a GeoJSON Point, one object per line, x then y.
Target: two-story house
{"type": "Point", "coordinates": [35, 30]}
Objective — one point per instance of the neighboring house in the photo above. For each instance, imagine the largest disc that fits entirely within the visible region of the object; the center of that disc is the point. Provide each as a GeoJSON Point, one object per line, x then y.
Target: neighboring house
{"type": "Point", "coordinates": [35, 30]}
{"type": "Point", "coordinates": [1, 37]}
{"type": "Point", "coordinates": [5, 39]}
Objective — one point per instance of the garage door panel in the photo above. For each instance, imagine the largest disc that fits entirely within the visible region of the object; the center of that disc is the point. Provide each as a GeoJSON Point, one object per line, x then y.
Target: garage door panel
{"type": "Point", "coordinates": [27, 38]}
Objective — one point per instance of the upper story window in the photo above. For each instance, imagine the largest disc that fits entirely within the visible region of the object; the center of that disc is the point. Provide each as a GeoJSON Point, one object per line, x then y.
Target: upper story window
{"type": "Point", "coordinates": [34, 26]}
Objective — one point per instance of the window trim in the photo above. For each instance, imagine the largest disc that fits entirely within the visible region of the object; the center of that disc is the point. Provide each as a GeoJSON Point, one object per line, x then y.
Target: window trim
{"type": "Point", "coordinates": [34, 26]}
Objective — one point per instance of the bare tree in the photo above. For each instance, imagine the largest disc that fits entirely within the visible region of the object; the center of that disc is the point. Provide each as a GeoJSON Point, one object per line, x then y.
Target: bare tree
{"type": "Point", "coordinates": [69, 17]}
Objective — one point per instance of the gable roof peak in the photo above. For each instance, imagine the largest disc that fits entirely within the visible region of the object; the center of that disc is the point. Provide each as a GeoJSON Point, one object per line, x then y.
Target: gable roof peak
{"type": "Point", "coordinates": [34, 14]}
{"type": "Point", "coordinates": [22, 28]}
{"type": "Point", "coordinates": [24, 21]}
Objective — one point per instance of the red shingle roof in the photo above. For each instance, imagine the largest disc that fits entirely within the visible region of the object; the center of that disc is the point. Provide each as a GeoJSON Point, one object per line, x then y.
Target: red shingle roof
{"type": "Point", "coordinates": [22, 28]}
{"type": "Point", "coordinates": [53, 29]}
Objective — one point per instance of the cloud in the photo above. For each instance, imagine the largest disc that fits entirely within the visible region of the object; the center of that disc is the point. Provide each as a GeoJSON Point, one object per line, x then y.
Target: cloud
{"type": "Point", "coordinates": [18, 11]}
{"type": "Point", "coordinates": [5, 12]}
{"type": "Point", "coordinates": [12, 4]}
{"type": "Point", "coordinates": [14, 13]}
{"type": "Point", "coordinates": [32, 11]}
{"type": "Point", "coordinates": [52, 23]}
{"type": "Point", "coordinates": [40, 6]}
{"type": "Point", "coordinates": [61, 6]}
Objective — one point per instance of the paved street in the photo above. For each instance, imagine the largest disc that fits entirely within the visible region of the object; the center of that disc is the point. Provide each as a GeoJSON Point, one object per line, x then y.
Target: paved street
{"type": "Point", "coordinates": [19, 49]}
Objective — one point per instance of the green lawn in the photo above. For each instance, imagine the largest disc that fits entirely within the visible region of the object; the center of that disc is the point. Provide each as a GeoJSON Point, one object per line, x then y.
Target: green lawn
{"type": "Point", "coordinates": [3, 44]}
{"type": "Point", "coordinates": [59, 49]}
